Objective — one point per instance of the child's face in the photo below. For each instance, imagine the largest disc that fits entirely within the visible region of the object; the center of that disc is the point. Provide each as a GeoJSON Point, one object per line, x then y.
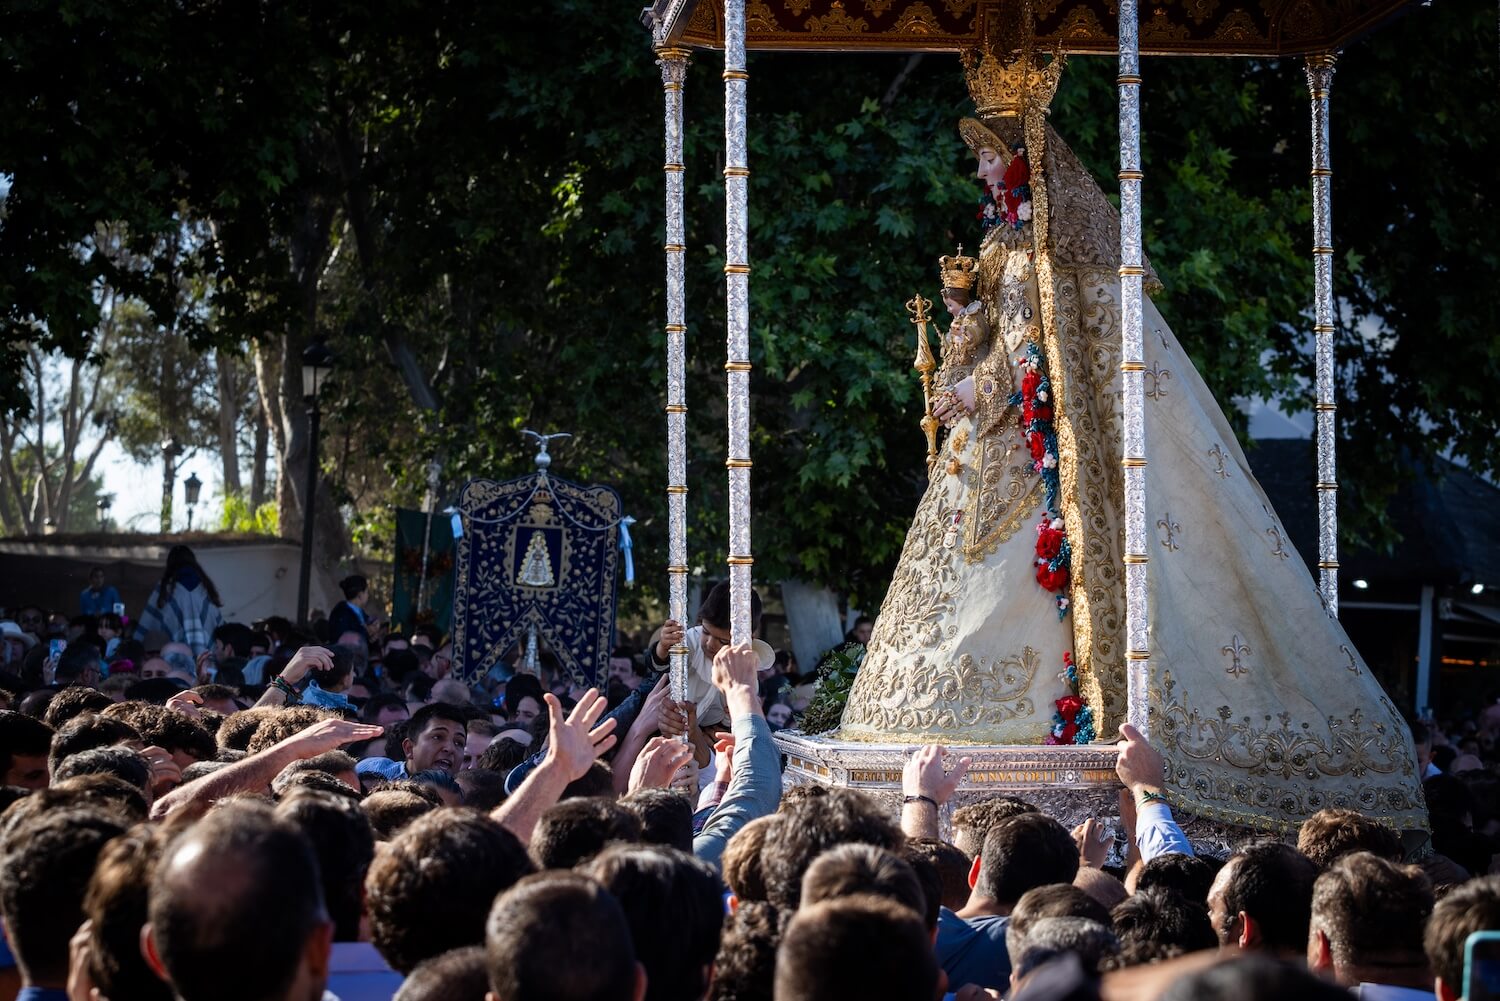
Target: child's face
{"type": "Point", "coordinates": [954, 306]}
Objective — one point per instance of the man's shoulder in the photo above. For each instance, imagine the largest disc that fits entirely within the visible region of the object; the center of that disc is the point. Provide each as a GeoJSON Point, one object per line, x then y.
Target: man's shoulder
{"type": "Point", "coordinates": [381, 766]}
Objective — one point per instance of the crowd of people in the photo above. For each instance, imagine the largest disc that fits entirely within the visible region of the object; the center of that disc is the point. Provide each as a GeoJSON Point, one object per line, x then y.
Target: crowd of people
{"type": "Point", "coordinates": [246, 812]}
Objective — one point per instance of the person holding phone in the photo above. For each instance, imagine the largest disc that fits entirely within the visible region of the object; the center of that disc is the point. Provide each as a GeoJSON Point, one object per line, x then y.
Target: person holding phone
{"type": "Point", "coordinates": [99, 597]}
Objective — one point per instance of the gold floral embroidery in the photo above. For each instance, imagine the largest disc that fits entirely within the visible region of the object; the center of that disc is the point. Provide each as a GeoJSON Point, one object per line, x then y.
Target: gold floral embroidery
{"type": "Point", "coordinates": [1282, 763]}
{"type": "Point", "coordinates": [929, 694]}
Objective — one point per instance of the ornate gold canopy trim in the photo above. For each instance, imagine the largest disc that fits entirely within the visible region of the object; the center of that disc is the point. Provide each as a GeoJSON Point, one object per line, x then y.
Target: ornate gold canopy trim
{"type": "Point", "coordinates": [1168, 27]}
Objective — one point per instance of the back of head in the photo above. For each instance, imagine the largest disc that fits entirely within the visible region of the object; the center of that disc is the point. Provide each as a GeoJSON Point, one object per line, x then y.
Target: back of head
{"type": "Point", "coordinates": [856, 947]}
{"type": "Point", "coordinates": [577, 829]}
{"type": "Point", "coordinates": [1025, 851]}
{"type": "Point", "coordinates": [1157, 924]}
{"type": "Point", "coordinates": [431, 888]}
{"type": "Point", "coordinates": [1272, 883]}
{"type": "Point", "coordinates": [659, 888]}
{"type": "Point", "coordinates": [121, 762]}
{"type": "Point", "coordinates": [72, 702]}
{"type": "Point", "coordinates": [460, 975]}
{"type": "Point", "coordinates": [972, 823]}
{"type": "Point", "coordinates": [715, 608]}
{"type": "Point", "coordinates": [1101, 886]}
{"type": "Point", "coordinates": [1093, 943]}
{"type": "Point", "coordinates": [79, 664]}
{"type": "Point", "coordinates": [43, 877]}
{"type": "Point", "coordinates": [391, 811]}
{"type": "Point", "coordinates": [1372, 910]}
{"type": "Point", "coordinates": [666, 817]}
{"type": "Point", "coordinates": [745, 969]}
{"type": "Point", "coordinates": [855, 870]}
{"type": "Point", "coordinates": [238, 868]}
{"type": "Point", "coordinates": [741, 862]}
{"type": "Point", "coordinates": [1186, 874]}
{"type": "Point", "coordinates": [339, 672]}
{"type": "Point", "coordinates": [483, 790]}
{"type": "Point", "coordinates": [559, 937]}
{"type": "Point", "coordinates": [88, 731]}
{"type": "Point", "coordinates": [951, 865]}
{"type": "Point", "coordinates": [815, 824]}
{"type": "Point", "coordinates": [353, 585]}
{"type": "Point", "coordinates": [1055, 900]}
{"type": "Point", "coordinates": [116, 905]}
{"type": "Point", "coordinates": [1253, 977]}
{"type": "Point", "coordinates": [341, 839]}
{"type": "Point", "coordinates": [1470, 907]}
{"type": "Point", "coordinates": [1333, 832]}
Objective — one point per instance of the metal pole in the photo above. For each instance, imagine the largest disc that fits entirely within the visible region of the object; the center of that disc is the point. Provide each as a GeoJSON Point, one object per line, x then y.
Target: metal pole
{"type": "Point", "coordinates": [1319, 81]}
{"type": "Point", "coordinates": [674, 63]}
{"type": "Point", "coordinates": [304, 575]}
{"type": "Point", "coordinates": [434, 473]}
{"type": "Point", "coordinates": [737, 280]}
{"type": "Point", "coordinates": [1132, 368]}
{"type": "Point", "coordinates": [1424, 650]}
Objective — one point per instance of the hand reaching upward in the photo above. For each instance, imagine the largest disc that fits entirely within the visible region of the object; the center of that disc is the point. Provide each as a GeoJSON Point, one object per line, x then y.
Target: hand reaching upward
{"type": "Point", "coordinates": [574, 742]}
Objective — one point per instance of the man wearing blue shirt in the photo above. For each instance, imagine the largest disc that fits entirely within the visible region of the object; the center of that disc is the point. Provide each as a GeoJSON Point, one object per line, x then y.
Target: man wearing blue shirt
{"type": "Point", "coordinates": [98, 597]}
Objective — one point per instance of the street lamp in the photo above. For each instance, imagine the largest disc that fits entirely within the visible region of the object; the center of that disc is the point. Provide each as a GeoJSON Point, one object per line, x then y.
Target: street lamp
{"type": "Point", "coordinates": [103, 504]}
{"type": "Point", "coordinates": [317, 364]}
{"type": "Point", "coordinates": [190, 488]}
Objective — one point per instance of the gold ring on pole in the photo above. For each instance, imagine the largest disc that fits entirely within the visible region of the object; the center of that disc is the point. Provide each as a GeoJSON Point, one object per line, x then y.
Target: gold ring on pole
{"type": "Point", "coordinates": [1131, 175]}
{"type": "Point", "coordinates": [1133, 462]}
{"type": "Point", "coordinates": [1136, 559]}
{"type": "Point", "coordinates": [1126, 79]}
{"type": "Point", "coordinates": [1321, 172]}
{"type": "Point", "coordinates": [1137, 655]}
{"type": "Point", "coordinates": [673, 248]}
{"type": "Point", "coordinates": [671, 86]}
{"type": "Point", "coordinates": [736, 269]}
{"type": "Point", "coordinates": [741, 561]}
{"type": "Point", "coordinates": [1132, 366]}
{"type": "Point", "coordinates": [1323, 250]}
{"type": "Point", "coordinates": [678, 649]}
{"type": "Point", "coordinates": [676, 568]}
{"type": "Point", "coordinates": [737, 366]}
{"type": "Point", "coordinates": [673, 168]}
{"type": "Point", "coordinates": [1325, 408]}
{"type": "Point", "coordinates": [1328, 564]}
{"type": "Point", "coordinates": [673, 52]}
{"type": "Point", "coordinates": [1327, 486]}
{"type": "Point", "coordinates": [676, 488]}
{"type": "Point", "coordinates": [676, 328]}
{"type": "Point", "coordinates": [1322, 328]}
{"type": "Point", "coordinates": [737, 463]}
{"type": "Point", "coordinates": [736, 171]}
{"type": "Point", "coordinates": [1132, 271]}
{"type": "Point", "coordinates": [676, 408]}
{"type": "Point", "coordinates": [736, 75]}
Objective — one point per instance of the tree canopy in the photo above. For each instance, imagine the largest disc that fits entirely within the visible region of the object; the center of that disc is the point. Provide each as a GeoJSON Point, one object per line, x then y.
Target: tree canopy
{"type": "Point", "coordinates": [465, 199]}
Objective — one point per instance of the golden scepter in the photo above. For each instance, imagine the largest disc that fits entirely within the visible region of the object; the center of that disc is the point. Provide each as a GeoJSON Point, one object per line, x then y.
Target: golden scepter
{"type": "Point", "coordinates": [926, 365]}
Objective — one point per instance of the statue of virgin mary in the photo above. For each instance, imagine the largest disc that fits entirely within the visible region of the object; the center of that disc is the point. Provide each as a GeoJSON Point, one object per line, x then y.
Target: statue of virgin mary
{"type": "Point", "coordinates": [1004, 622]}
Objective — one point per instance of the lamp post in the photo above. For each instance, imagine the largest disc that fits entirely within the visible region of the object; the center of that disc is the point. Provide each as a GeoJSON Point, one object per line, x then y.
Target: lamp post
{"type": "Point", "coordinates": [103, 504]}
{"type": "Point", "coordinates": [190, 488]}
{"type": "Point", "coordinates": [317, 363]}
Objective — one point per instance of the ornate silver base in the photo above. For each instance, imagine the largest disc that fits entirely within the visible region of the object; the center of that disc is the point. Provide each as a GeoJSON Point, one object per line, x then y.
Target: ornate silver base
{"type": "Point", "coordinates": [1071, 783]}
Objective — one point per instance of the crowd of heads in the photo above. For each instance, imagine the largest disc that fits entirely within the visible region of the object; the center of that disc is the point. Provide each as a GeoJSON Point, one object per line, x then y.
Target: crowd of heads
{"type": "Point", "coordinates": [136, 857]}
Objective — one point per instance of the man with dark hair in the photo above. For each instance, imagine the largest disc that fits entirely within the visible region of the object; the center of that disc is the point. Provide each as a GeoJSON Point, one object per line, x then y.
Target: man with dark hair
{"type": "Point", "coordinates": [1333, 832]}
{"type": "Point", "coordinates": [391, 811]}
{"type": "Point", "coordinates": [1093, 944]}
{"type": "Point", "coordinates": [384, 710]}
{"type": "Point", "coordinates": [856, 947]}
{"type": "Point", "coordinates": [1055, 900]}
{"type": "Point", "coordinates": [185, 740]}
{"type": "Point", "coordinates": [328, 687]}
{"type": "Point", "coordinates": [239, 868]}
{"type": "Point", "coordinates": [115, 907]}
{"type": "Point", "coordinates": [666, 817]}
{"type": "Point", "coordinates": [85, 732]}
{"type": "Point", "coordinates": [577, 829]}
{"type": "Point", "coordinates": [222, 699]}
{"type": "Point", "coordinates": [1368, 915]}
{"type": "Point", "coordinates": [972, 823]}
{"type": "Point", "coordinates": [741, 861]}
{"type": "Point", "coordinates": [459, 975]}
{"type": "Point", "coordinates": [559, 936]}
{"type": "Point", "coordinates": [745, 968]}
{"type": "Point", "coordinates": [1188, 875]}
{"type": "Point", "coordinates": [232, 639]}
{"type": "Point", "coordinates": [1471, 907]}
{"type": "Point", "coordinates": [24, 743]}
{"type": "Point", "coordinates": [951, 865]}
{"type": "Point", "coordinates": [1024, 851]}
{"type": "Point", "coordinates": [854, 870]}
{"type": "Point", "coordinates": [483, 790]}
{"type": "Point", "coordinates": [1262, 899]}
{"type": "Point", "coordinates": [121, 762]}
{"type": "Point", "coordinates": [435, 737]}
{"type": "Point", "coordinates": [659, 888]}
{"type": "Point", "coordinates": [812, 826]}
{"type": "Point", "coordinates": [80, 664]}
{"type": "Point", "coordinates": [43, 877]}
{"type": "Point", "coordinates": [344, 845]}
{"type": "Point", "coordinates": [73, 701]}
{"type": "Point", "coordinates": [431, 888]}
{"type": "Point", "coordinates": [338, 765]}
{"type": "Point", "coordinates": [1156, 924]}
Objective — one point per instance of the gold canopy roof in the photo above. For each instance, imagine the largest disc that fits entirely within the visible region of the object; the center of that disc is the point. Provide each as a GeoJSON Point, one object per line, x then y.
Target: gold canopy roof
{"type": "Point", "coordinates": [1168, 27]}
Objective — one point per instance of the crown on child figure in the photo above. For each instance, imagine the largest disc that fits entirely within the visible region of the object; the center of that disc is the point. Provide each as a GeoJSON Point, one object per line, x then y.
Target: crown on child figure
{"type": "Point", "coordinates": [1005, 87]}
{"type": "Point", "coordinates": [958, 271]}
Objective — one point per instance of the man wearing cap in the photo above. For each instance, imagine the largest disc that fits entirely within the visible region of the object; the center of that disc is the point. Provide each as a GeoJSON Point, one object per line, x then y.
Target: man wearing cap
{"type": "Point", "coordinates": [14, 643]}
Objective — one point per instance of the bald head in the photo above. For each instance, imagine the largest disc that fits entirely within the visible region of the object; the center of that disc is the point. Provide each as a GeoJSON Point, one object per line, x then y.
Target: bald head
{"type": "Point", "coordinates": [241, 868]}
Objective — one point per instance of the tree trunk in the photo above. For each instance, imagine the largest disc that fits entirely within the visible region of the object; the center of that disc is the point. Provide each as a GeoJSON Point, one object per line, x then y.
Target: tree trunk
{"type": "Point", "coordinates": [262, 447]}
{"type": "Point", "coordinates": [229, 423]}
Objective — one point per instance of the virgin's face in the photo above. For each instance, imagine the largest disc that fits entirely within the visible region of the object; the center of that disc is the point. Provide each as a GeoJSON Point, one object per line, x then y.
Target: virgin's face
{"type": "Point", "coordinates": [991, 171]}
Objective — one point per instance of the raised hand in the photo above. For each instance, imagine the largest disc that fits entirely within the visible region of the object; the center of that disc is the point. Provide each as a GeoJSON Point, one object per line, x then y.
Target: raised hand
{"type": "Point", "coordinates": [329, 735]}
{"type": "Point", "coordinates": [573, 743]}
{"type": "Point", "coordinates": [306, 659]}
{"type": "Point", "coordinates": [187, 703]}
{"type": "Point", "coordinates": [649, 720]}
{"type": "Point", "coordinates": [165, 774]}
{"type": "Point", "coordinates": [924, 774]}
{"type": "Point", "coordinates": [675, 719]}
{"type": "Point", "coordinates": [736, 667]}
{"type": "Point", "coordinates": [1139, 765]}
{"type": "Point", "coordinates": [724, 759]}
{"type": "Point", "coordinates": [658, 763]}
{"type": "Point", "coordinates": [671, 635]}
{"type": "Point", "coordinates": [1093, 843]}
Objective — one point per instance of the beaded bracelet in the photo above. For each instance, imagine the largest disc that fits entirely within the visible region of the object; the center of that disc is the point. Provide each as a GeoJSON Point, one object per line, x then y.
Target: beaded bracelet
{"type": "Point", "coordinates": [1147, 796]}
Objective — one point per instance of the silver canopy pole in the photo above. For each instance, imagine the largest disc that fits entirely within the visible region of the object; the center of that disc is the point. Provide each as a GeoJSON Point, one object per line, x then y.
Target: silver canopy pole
{"type": "Point", "coordinates": [1320, 81]}
{"type": "Point", "coordinates": [737, 280]}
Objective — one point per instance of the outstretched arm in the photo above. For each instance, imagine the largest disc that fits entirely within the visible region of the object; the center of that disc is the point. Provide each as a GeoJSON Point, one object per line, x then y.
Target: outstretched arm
{"type": "Point", "coordinates": [572, 745]}
{"type": "Point", "coordinates": [755, 789]}
{"type": "Point", "coordinates": [1143, 771]}
{"type": "Point", "coordinates": [926, 787]}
